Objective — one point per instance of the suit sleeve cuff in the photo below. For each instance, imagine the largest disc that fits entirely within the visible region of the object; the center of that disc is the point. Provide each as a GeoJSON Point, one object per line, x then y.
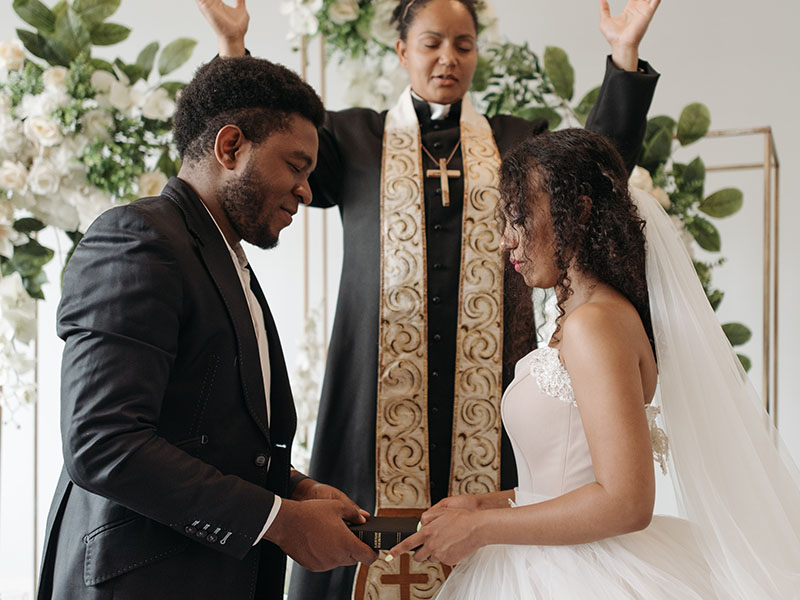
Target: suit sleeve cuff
{"type": "Point", "coordinates": [276, 506]}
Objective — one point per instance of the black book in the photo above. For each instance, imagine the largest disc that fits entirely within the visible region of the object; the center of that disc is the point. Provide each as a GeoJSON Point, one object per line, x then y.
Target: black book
{"type": "Point", "coordinates": [383, 533]}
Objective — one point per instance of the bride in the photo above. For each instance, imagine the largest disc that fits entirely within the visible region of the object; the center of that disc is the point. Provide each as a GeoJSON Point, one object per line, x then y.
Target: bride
{"type": "Point", "coordinates": [633, 323]}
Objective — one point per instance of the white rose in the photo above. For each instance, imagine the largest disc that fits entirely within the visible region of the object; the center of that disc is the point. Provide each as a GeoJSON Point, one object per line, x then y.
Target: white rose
{"type": "Point", "coordinates": [12, 138]}
{"type": "Point", "coordinates": [5, 104]}
{"type": "Point", "coordinates": [13, 175]}
{"type": "Point", "coordinates": [343, 11]}
{"type": "Point", "coordinates": [303, 22]}
{"type": "Point", "coordinates": [120, 96]}
{"type": "Point", "coordinates": [382, 28]}
{"type": "Point", "coordinates": [97, 124]}
{"type": "Point", "coordinates": [55, 77]}
{"type": "Point", "coordinates": [90, 204]}
{"type": "Point", "coordinates": [640, 178]}
{"type": "Point", "coordinates": [8, 238]}
{"type": "Point", "coordinates": [102, 81]}
{"type": "Point", "coordinates": [662, 197]}
{"type": "Point", "coordinates": [43, 178]}
{"type": "Point", "coordinates": [53, 210]}
{"type": "Point", "coordinates": [42, 131]}
{"type": "Point", "coordinates": [17, 308]}
{"type": "Point", "coordinates": [42, 105]}
{"type": "Point", "coordinates": [158, 105]}
{"type": "Point", "coordinates": [151, 183]}
{"type": "Point", "coordinates": [12, 55]}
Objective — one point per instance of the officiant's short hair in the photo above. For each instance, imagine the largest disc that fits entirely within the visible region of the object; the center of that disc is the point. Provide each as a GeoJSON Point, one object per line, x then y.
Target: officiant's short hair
{"type": "Point", "coordinates": [256, 95]}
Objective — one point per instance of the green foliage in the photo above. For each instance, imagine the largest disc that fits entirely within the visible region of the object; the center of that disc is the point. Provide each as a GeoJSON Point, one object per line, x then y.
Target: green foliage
{"type": "Point", "coordinates": [746, 363]}
{"type": "Point", "coordinates": [175, 54]}
{"type": "Point", "coordinates": [36, 14]}
{"type": "Point", "coordinates": [558, 68]}
{"type": "Point", "coordinates": [693, 124]}
{"type": "Point", "coordinates": [147, 58]}
{"type": "Point", "coordinates": [352, 39]}
{"type": "Point", "coordinates": [657, 145]}
{"type": "Point", "coordinates": [723, 203]}
{"type": "Point", "coordinates": [737, 333]}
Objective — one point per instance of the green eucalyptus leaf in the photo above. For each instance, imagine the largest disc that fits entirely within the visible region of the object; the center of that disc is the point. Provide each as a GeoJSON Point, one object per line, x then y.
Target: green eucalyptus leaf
{"type": "Point", "coordinates": [166, 165]}
{"type": "Point", "coordinates": [28, 225]}
{"type": "Point", "coordinates": [102, 65]}
{"type": "Point", "coordinates": [746, 363]}
{"type": "Point", "coordinates": [49, 49]}
{"type": "Point", "coordinates": [657, 145]}
{"type": "Point", "coordinates": [108, 34]}
{"type": "Point", "coordinates": [147, 58]}
{"type": "Point", "coordinates": [60, 8]}
{"type": "Point", "coordinates": [33, 285]}
{"type": "Point", "coordinates": [723, 203]}
{"type": "Point", "coordinates": [482, 76]}
{"type": "Point", "coordinates": [715, 299]}
{"type": "Point", "coordinates": [95, 11]}
{"type": "Point", "coordinates": [737, 333]}
{"type": "Point", "coordinates": [30, 258]}
{"type": "Point", "coordinates": [35, 13]}
{"type": "Point", "coordinates": [586, 104]}
{"type": "Point", "coordinates": [173, 87]}
{"type": "Point", "coordinates": [531, 113]}
{"type": "Point", "coordinates": [693, 123]}
{"type": "Point", "coordinates": [706, 235]}
{"type": "Point", "coordinates": [72, 33]}
{"type": "Point", "coordinates": [559, 71]}
{"type": "Point", "coordinates": [175, 54]}
{"type": "Point", "coordinates": [133, 72]}
{"type": "Point", "coordinates": [694, 177]}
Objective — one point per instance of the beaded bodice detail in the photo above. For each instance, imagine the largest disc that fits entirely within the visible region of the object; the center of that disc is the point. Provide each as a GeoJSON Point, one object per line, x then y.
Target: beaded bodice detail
{"type": "Point", "coordinates": [551, 375]}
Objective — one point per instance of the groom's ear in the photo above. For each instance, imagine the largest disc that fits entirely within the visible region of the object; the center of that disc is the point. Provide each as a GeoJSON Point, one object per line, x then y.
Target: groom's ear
{"type": "Point", "coordinates": [586, 203]}
{"type": "Point", "coordinates": [228, 146]}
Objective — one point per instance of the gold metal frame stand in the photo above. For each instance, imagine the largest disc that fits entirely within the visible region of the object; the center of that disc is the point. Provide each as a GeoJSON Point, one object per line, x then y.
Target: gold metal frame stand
{"type": "Point", "coordinates": [771, 182]}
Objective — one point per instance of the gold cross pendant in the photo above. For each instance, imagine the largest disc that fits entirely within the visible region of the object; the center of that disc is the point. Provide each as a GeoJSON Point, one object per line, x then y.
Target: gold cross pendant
{"type": "Point", "coordinates": [443, 172]}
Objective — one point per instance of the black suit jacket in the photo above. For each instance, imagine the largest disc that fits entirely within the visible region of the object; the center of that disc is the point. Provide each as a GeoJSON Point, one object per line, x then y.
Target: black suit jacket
{"type": "Point", "coordinates": [165, 486]}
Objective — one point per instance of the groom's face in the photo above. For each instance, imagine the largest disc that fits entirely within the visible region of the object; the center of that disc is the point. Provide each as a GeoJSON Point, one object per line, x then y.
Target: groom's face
{"type": "Point", "coordinates": [261, 201]}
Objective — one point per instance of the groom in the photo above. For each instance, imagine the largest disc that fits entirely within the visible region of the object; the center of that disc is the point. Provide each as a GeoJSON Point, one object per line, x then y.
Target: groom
{"type": "Point", "coordinates": [177, 417]}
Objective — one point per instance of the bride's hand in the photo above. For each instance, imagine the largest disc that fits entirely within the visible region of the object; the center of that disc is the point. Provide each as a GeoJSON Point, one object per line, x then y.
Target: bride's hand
{"type": "Point", "coordinates": [448, 536]}
{"type": "Point", "coordinates": [465, 501]}
{"type": "Point", "coordinates": [229, 23]}
{"type": "Point", "coordinates": [625, 31]}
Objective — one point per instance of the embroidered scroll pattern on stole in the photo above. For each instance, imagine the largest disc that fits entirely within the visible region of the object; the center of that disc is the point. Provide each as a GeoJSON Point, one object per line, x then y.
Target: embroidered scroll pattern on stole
{"type": "Point", "coordinates": [475, 463]}
{"type": "Point", "coordinates": [402, 412]}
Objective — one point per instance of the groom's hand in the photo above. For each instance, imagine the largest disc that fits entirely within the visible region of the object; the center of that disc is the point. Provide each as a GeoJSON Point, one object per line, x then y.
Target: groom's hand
{"type": "Point", "coordinates": [314, 534]}
{"type": "Point", "coordinates": [308, 489]}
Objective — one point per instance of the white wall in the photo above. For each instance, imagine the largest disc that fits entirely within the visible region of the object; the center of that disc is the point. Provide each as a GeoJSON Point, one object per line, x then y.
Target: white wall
{"type": "Point", "coordinates": [738, 59]}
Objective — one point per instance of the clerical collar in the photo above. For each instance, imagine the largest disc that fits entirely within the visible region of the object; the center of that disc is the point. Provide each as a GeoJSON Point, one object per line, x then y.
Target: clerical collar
{"type": "Point", "coordinates": [435, 111]}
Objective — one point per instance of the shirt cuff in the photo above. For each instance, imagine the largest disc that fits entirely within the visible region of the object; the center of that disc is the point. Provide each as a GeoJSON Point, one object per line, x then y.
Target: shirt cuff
{"type": "Point", "coordinates": [276, 506]}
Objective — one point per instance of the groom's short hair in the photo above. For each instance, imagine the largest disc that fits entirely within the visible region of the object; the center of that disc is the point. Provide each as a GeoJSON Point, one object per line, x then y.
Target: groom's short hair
{"type": "Point", "coordinates": [254, 94]}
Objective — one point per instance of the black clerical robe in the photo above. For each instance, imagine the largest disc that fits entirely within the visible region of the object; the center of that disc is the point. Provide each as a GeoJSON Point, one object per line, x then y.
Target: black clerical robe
{"type": "Point", "coordinates": [348, 175]}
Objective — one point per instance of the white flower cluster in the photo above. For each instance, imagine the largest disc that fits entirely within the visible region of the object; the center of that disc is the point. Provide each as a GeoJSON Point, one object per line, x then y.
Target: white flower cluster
{"type": "Point", "coordinates": [17, 333]}
{"type": "Point", "coordinates": [41, 177]}
{"type": "Point", "coordinates": [640, 178]}
{"type": "Point", "coordinates": [302, 17]}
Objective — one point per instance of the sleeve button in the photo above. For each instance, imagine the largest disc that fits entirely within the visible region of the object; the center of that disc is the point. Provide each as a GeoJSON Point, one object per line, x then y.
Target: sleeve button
{"type": "Point", "coordinates": [211, 538]}
{"type": "Point", "coordinates": [189, 529]}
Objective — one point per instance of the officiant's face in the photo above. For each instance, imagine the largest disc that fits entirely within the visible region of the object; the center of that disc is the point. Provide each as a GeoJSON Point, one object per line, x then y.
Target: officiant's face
{"type": "Point", "coordinates": [440, 51]}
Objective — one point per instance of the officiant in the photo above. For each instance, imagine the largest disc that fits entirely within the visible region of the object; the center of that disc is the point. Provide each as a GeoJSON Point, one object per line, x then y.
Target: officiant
{"type": "Point", "coordinates": [429, 322]}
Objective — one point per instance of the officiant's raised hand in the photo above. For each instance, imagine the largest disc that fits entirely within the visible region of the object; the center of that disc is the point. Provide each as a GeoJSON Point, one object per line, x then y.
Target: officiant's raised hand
{"type": "Point", "coordinates": [625, 31]}
{"type": "Point", "coordinates": [229, 23]}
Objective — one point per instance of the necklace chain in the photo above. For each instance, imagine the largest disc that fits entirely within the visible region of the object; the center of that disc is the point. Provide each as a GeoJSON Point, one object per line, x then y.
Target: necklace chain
{"type": "Point", "coordinates": [449, 158]}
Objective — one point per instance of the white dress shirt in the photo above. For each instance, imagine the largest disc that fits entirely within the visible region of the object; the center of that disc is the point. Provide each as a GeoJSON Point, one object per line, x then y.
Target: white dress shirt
{"type": "Point", "coordinates": [257, 315]}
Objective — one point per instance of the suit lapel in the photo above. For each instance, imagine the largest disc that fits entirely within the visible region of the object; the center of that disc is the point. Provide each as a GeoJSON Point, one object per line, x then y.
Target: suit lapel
{"type": "Point", "coordinates": [283, 421]}
{"type": "Point", "coordinates": [214, 253]}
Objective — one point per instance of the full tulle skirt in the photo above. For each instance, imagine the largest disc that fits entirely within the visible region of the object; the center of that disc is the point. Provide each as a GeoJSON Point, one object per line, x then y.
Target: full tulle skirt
{"type": "Point", "coordinates": [661, 562]}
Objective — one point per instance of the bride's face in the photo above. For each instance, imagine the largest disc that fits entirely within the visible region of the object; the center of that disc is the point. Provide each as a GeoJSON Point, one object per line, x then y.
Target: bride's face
{"type": "Point", "coordinates": [531, 247]}
{"type": "Point", "coordinates": [440, 51]}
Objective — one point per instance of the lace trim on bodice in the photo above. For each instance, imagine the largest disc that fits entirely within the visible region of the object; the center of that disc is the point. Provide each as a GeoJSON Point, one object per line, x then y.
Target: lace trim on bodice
{"type": "Point", "coordinates": [554, 380]}
{"type": "Point", "coordinates": [551, 375]}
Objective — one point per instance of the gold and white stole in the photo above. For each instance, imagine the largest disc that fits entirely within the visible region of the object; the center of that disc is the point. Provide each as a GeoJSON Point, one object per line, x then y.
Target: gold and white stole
{"type": "Point", "coordinates": [402, 466]}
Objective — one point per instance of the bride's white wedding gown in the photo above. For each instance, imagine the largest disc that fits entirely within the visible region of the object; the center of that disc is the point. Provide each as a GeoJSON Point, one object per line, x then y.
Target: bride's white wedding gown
{"type": "Point", "coordinates": [661, 562]}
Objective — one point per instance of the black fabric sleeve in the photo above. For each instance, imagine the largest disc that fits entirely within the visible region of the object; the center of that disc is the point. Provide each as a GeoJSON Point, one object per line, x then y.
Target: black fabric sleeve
{"type": "Point", "coordinates": [620, 112]}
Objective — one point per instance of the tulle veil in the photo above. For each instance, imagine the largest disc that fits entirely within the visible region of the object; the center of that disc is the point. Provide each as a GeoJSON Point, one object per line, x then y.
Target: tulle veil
{"type": "Point", "coordinates": [733, 479]}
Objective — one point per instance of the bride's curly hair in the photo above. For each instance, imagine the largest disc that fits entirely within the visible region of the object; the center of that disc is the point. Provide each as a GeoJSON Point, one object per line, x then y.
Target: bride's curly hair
{"type": "Point", "coordinates": [602, 236]}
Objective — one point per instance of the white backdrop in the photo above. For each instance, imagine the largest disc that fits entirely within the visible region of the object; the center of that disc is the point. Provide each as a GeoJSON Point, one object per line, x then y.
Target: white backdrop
{"type": "Point", "coordinates": [738, 59]}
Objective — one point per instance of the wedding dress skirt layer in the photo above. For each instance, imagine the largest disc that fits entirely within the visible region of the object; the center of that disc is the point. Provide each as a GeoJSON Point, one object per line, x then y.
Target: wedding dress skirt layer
{"type": "Point", "coordinates": [661, 562]}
